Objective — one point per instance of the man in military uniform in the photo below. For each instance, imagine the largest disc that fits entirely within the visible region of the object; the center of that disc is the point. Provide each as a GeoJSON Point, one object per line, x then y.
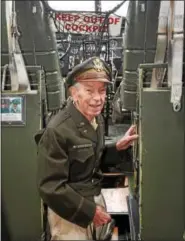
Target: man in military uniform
{"type": "Point", "coordinates": [14, 108]}
{"type": "Point", "coordinates": [70, 152]}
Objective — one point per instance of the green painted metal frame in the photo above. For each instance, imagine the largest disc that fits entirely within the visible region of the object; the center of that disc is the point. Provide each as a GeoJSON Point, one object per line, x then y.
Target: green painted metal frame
{"type": "Point", "coordinates": [21, 204]}
{"type": "Point", "coordinates": [162, 165]}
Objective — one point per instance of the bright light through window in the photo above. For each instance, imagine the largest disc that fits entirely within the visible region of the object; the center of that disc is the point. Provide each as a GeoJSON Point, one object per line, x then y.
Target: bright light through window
{"type": "Point", "coordinates": [72, 5]}
{"type": "Point", "coordinates": [109, 5]}
{"type": "Point", "coordinates": [88, 6]}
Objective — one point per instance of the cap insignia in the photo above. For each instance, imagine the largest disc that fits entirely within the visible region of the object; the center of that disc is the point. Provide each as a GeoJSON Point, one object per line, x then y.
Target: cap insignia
{"type": "Point", "coordinates": [98, 65]}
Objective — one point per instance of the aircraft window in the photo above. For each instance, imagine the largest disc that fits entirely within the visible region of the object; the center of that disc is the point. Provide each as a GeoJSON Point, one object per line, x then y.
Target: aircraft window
{"type": "Point", "coordinates": [89, 6]}
{"type": "Point", "coordinates": [72, 5]}
{"type": "Point", "coordinates": [108, 5]}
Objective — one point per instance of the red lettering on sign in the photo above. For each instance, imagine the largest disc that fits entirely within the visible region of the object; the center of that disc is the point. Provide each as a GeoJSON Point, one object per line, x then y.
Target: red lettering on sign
{"type": "Point", "coordinates": [117, 20]}
{"type": "Point", "coordinates": [85, 28]}
{"type": "Point", "coordinates": [86, 19]}
{"type": "Point", "coordinates": [76, 17]}
{"type": "Point", "coordinates": [70, 18]}
{"type": "Point", "coordinates": [66, 17]}
{"type": "Point", "coordinates": [95, 28]}
{"type": "Point", "coordinates": [88, 28]}
{"type": "Point", "coordinates": [94, 20]}
{"type": "Point", "coordinates": [81, 28]}
{"type": "Point", "coordinates": [74, 27]}
{"type": "Point", "coordinates": [59, 17]}
{"type": "Point", "coordinates": [102, 19]}
{"type": "Point", "coordinates": [111, 20]}
{"type": "Point", "coordinates": [68, 27]}
{"type": "Point", "coordinates": [79, 23]}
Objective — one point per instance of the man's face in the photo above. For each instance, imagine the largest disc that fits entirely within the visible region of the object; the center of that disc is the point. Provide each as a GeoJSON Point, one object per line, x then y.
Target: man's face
{"type": "Point", "coordinates": [14, 106]}
{"type": "Point", "coordinates": [89, 98]}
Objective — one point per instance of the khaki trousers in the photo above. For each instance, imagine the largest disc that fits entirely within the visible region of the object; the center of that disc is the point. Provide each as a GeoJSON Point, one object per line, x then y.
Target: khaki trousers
{"type": "Point", "coordinates": [61, 229]}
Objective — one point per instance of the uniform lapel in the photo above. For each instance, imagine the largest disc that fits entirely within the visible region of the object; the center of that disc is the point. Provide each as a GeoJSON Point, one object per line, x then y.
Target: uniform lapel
{"type": "Point", "coordinates": [82, 123]}
{"type": "Point", "coordinates": [100, 133]}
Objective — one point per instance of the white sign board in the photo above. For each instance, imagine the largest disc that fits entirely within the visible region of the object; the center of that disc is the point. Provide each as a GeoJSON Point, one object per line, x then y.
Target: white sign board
{"type": "Point", "coordinates": [11, 109]}
{"type": "Point", "coordinates": [87, 23]}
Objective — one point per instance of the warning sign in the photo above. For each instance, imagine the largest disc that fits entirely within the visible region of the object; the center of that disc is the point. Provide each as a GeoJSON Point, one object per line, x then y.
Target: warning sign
{"type": "Point", "coordinates": [87, 23]}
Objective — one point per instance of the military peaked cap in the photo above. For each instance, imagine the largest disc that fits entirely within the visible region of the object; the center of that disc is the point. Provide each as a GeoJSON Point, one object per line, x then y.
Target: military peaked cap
{"type": "Point", "coordinates": [92, 69]}
{"type": "Point", "coordinates": [16, 101]}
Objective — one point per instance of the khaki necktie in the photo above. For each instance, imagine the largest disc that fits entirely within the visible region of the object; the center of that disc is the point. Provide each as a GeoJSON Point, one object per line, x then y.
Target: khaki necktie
{"type": "Point", "coordinates": [94, 123]}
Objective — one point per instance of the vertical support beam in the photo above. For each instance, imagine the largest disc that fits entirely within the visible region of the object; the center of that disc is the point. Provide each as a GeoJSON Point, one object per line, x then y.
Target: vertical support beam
{"type": "Point", "coordinates": [97, 6]}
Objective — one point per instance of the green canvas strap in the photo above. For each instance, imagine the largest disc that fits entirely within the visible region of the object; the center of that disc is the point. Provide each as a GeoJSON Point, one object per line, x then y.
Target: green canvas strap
{"type": "Point", "coordinates": [18, 73]}
{"type": "Point", "coordinates": [177, 44]}
{"type": "Point", "coordinates": [162, 41]}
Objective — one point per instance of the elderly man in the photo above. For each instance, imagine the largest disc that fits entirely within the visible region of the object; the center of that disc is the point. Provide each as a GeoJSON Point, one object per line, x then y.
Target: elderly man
{"type": "Point", "coordinates": [70, 152]}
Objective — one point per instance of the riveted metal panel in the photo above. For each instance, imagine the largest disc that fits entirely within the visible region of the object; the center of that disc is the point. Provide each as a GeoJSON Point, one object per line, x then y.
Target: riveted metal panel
{"type": "Point", "coordinates": [20, 200]}
{"type": "Point", "coordinates": [162, 170]}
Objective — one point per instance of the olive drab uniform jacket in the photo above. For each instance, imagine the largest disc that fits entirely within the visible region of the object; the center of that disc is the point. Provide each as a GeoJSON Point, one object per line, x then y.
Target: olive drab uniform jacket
{"type": "Point", "coordinates": [69, 156]}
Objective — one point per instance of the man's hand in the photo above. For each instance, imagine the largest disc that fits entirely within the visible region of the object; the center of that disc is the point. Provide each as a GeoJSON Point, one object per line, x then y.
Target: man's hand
{"type": "Point", "coordinates": [101, 217]}
{"type": "Point", "coordinates": [128, 139]}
